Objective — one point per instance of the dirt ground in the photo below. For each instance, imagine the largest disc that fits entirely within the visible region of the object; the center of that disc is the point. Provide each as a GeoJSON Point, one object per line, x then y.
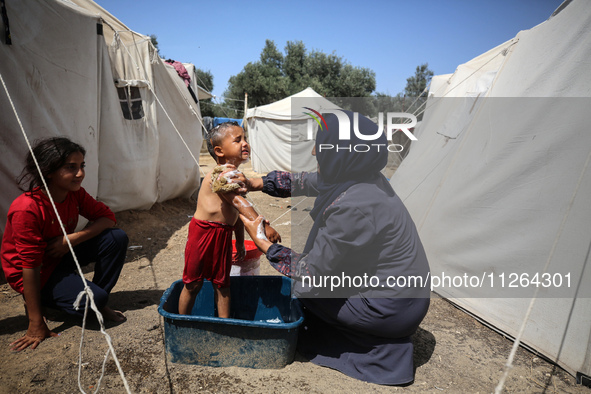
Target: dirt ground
{"type": "Point", "coordinates": [453, 352]}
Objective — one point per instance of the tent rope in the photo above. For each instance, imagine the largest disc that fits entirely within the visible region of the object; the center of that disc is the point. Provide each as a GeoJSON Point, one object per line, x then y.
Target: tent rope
{"type": "Point", "coordinates": [222, 107]}
{"type": "Point", "coordinates": [289, 210]}
{"type": "Point", "coordinates": [87, 290]}
{"type": "Point", "coordinates": [504, 52]}
{"type": "Point", "coordinates": [436, 100]}
{"type": "Point", "coordinates": [517, 342]}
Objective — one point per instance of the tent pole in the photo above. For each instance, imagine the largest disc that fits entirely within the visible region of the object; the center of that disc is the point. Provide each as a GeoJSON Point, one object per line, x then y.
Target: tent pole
{"type": "Point", "coordinates": [245, 108]}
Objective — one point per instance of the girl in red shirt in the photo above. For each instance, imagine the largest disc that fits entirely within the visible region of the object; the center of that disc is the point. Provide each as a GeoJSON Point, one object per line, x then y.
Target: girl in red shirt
{"type": "Point", "coordinates": [35, 255]}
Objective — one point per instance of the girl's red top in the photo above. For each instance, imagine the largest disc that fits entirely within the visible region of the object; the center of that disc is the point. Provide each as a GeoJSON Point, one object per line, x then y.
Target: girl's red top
{"type": "Point", "coordinates": [32, 223]}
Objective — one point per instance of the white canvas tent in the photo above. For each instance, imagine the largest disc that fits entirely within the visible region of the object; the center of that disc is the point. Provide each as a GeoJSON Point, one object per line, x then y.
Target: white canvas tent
{"type": "Point", "coordinates": [201, 93]}
{"type": "Point", "coordinates": [278, 137]}
{"type": "Point", "coordinates": [499, 182]}
{"type": "Point", "coordinates": [71, 70]}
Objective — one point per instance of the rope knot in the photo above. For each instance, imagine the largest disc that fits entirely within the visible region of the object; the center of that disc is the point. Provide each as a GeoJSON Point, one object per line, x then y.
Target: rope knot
{"type": "Point", "coordinates": [86, 290]}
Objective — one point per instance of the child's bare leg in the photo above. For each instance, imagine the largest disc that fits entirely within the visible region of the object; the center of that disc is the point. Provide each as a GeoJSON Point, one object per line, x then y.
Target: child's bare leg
{"type": "Point", "coordinates": [188, 295]}
{"type": "Point", "coordinates": [222, 300]}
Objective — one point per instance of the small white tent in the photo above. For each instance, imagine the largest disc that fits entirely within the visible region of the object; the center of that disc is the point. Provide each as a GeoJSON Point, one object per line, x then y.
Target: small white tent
{"type": "Point", "coordinates": [499, 183]}
{"type": "Point", "coordinates": [277, 133]}
{"type": "Point", "coordinates": [73, 69]}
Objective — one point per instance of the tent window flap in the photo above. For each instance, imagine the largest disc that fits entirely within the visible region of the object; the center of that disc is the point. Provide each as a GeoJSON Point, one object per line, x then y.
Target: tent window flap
{"type": "Point", "coordinates": [131, 102]}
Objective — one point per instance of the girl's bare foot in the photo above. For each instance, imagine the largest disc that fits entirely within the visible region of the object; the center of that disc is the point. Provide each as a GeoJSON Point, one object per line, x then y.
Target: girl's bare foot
{"type": "Point", "coordinates": [113, 315]}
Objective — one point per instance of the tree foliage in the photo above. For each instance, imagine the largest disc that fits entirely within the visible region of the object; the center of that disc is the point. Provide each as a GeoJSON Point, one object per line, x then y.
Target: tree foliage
{"type": "Point", "coordinates": [412, 99]}
{"type": "Point", "coordinates": [416, 85]}
{"type": "Point", "coordinates": [154, 40]}
{"type": "Point", "coordinates": [205, 80]}
{"type": "Point", "coordinates": [276, 75]}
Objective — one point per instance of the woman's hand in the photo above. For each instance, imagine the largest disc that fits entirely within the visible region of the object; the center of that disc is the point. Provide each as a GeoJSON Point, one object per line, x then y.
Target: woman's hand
{"type": "Point", "coordinates": [236, 177]}
{"type": "Point", "coordinates": [252, 228]}
{"type": "Point", "coordinates": [250, 185]}
{"type": "Point", "coordinates": [36, 334]}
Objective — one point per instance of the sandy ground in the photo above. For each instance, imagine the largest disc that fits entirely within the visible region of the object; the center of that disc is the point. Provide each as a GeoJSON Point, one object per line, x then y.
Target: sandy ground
{"type": "Point", "coordinates": [453, 352]}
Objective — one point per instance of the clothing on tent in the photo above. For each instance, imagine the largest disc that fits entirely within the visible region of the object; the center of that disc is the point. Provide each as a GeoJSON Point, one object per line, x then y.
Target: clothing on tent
{"type": "Point", "coordinates": [181, 71]}
{"type": "Point", "coordinates": [7, 38]}
{"type": "Point", "coordinates": [208, 123]}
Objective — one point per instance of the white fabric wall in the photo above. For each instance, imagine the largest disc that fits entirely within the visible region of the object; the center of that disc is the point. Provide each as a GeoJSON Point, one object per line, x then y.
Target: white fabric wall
{"type": "Point", "coordinates": [144, 161]}
{"type": "Point", "coordinates": [498, 181]}
{"type": "Point", "coordinates": [129, 148]}
{"type": "Point", "coordinates": [274, 148]}
{"type": "Point", "coordinates": [51, 72]}
{"type": "Point", "coordinates": [179, 175]}
{"type": "Point", "coordinates": [277, 133]}
{"type": "Point", "coordinates": [60, 73]}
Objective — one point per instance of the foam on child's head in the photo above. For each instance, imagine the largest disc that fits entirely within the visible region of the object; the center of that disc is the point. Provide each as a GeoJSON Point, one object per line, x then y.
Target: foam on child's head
{"type": "Point", "coordinates": [215, 136]}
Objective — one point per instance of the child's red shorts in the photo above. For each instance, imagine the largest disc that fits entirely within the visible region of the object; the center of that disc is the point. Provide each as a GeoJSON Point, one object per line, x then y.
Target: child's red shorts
{"type": "Point", "coordinates": [208, 254]}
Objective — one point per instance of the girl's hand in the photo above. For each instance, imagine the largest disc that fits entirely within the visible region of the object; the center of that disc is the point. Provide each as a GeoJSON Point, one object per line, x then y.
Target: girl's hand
{"type": "Point", "coordinates": [57, 247]}
{"type": "Point", "coordinates": [36, 334]}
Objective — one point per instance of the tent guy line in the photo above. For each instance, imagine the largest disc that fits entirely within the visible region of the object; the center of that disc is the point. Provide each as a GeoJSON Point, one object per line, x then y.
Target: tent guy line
{"type": "Point", "coordinates": [517, 341]}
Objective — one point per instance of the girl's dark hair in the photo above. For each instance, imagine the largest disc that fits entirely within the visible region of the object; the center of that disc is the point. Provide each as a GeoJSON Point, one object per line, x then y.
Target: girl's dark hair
{"type": "Point", "coordinates": [51, 154]}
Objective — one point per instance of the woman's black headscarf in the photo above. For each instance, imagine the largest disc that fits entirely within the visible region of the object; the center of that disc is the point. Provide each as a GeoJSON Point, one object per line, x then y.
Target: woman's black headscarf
{"type": "Point", "coordinates": [341, 168]}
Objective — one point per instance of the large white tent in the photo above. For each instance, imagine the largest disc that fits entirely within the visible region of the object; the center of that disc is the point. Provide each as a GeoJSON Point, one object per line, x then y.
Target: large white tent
{"type": "Point", "coordinates": [277, 133]}
{"type": "Point", "coordinates": [499, 183]}
{"type": "Point", "coordinates": [73, 69]}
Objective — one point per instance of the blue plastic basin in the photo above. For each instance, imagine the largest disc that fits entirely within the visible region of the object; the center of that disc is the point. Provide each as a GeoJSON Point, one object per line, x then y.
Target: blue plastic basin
{"type": "Point", "coordinates": [261, 333]}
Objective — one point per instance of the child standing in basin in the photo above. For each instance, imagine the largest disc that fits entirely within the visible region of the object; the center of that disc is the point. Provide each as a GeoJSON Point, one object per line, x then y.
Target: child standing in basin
{"type": "Point", "coordinates": [208, 254]}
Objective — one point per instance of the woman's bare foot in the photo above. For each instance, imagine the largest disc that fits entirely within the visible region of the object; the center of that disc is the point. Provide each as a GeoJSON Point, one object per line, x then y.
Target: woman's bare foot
{"type": "Point", "coordinates": [113, 315]}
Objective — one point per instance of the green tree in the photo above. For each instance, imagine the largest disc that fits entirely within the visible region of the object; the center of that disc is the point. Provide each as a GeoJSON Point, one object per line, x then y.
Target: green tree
{"type": "Point", "coordinates": [276, 76]}
{"type": "Point", "coordinates": [416, 85]}
{"type": "Point", "coordinates": [386, 103]}
{"type": "Point", "coordinates": [205, 80]}
{"type": "Point", "coordinates": [262, 80]}
{"type": "Point", "coordinates": [412, 99]}
{"type": "Point", "coordinates": [154, 40]}
{"type": "Point", "coordinates": [415, 92]}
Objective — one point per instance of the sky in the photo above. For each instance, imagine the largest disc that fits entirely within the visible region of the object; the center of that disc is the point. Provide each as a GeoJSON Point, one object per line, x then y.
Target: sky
{"type": "Point", "coordinates": [390, 37]}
